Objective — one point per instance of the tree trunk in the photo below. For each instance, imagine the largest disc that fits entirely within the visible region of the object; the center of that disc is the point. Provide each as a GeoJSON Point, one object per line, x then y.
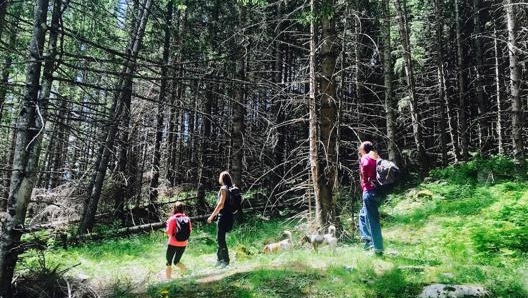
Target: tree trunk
{"type": "Point", "coordinates": [313, 133]}
{"type": "Point", "coordinates": [390, 101]}
{"type": "Point", "coordinates": [3, 9]}
{"type": "Point", "coordinates": [279, 150]}
{"type": "Point", "coordinates": [439, 10]}
{"type": "Point", "coordinates": [49, 66]}
{"type": "Point", "coordinates": [462, 117]}
{"type": "Point", "coordinates": [498, 129]}
{"type": "Point", "coordinates": [177, 90]}
{"type": "Point", "coordinates": [104, 153]}
{"type": "Point", "coordinates": [7, 173]}
{"type": "Point", "coordinates": [25, 163]}
{"type": "Point", "coordinates": [239, 97]}
{"type": "Point", "coordinates": [325, 206]}
{"type": "Point", "coordinates": [61, 147]}
{"type": "Point", "coordinates": [156, 168]}
{"type": "Point", "coordinates": [515, 90]}
{"type": "Point", "coordinates": [4, 79]}
{"type": "Point", "coordinates": [415, 114]}
{"type": "Point", "coordinates": [483, 118]}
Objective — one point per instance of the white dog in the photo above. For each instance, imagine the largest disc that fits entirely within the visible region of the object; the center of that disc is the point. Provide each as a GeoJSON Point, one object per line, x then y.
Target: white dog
{"type": "Point", "coordinates": [279, 246]}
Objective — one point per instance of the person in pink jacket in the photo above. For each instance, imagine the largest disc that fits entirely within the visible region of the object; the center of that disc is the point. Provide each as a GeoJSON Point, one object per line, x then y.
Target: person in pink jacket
{"type": "Point", "coordinates": [175, 247]}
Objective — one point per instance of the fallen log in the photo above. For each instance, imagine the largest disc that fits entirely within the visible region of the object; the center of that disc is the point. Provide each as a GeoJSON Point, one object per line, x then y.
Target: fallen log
{"type": "Point", "coordinates": [66, 240]}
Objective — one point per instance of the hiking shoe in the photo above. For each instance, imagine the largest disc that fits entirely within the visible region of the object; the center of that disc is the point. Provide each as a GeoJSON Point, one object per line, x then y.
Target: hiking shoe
{"type": "Point", "coordinates": [221, 264]}
{"type": "Point", "coordinates": [378, 253]}
{"type": "Point", "coordinates": [368, 246]}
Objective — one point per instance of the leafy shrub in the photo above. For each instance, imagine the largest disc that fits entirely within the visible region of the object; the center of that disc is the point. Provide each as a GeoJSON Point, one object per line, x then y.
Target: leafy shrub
{"type": "Point", "coordinates": [505, 228]}
{"type": "Point", "coordinates": [477, 170]}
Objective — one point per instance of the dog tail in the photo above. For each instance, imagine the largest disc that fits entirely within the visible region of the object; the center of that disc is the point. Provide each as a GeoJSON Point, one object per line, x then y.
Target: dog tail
{"type": "Point", "coordinates": [266, 249]}
{"type": "Point", "coordinates": [289, 234]}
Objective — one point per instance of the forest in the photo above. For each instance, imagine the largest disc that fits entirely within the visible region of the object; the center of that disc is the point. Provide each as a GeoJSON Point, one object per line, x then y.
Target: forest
{"type": "Point", "coordinates": [109, 109]}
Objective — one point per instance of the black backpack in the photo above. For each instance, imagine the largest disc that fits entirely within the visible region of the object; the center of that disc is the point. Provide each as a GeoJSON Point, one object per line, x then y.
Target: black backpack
{"type": "Point", "coordinates": [235, 199]}
{"type": "Point", "coordinates": [183, 227]}
{"type": "Point", "coordinates": [387, 172]}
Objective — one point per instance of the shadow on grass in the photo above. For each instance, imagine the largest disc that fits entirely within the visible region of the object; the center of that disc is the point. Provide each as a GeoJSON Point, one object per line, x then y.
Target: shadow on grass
{"type": "Point", "coordinates": [294, 280]}
{"type": "Point", "coordinates": [256, 283]}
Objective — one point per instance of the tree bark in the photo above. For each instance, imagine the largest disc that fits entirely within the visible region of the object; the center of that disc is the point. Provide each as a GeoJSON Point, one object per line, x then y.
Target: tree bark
{"type": "Point", "coordinates": [390, 101]}
{"type": "Point", "coordinates": [498, 99]}
{"type": "Point", "coordinates": [25, 163]}
{"type": "Point", "coordinates": [325, 206]}
{"type": "Point", "coordinates": [515, 90]}
{"type": "Point", "coordinates": [462, 106]}
{"type": "Point", "coordinates": [313, 133]}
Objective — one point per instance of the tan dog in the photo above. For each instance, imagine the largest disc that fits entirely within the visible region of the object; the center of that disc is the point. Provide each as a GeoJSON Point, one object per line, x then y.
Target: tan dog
{"type": "Point", "coordinates": [279, 246]}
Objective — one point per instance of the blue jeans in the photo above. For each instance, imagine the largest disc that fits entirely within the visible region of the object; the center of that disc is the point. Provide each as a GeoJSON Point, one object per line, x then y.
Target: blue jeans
{"type": "Point", "coordinates": [369, 221]}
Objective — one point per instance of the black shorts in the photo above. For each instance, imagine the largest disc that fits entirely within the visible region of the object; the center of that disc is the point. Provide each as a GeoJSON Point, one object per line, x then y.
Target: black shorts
{"type": "Point", "coordinates": [174, 254]}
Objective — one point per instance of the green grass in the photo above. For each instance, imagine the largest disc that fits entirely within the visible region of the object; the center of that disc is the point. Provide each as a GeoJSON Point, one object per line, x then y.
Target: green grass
{"type": "Point", "coordinates": [439, 232]}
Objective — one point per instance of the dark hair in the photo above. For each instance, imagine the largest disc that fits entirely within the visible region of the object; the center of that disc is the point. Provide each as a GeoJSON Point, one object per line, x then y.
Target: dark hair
{"type": "Point", "coordinates": [225, 178]}
{"type": "Point", "coordinates": [367, 146]}
{"type": "Point", "coordinates": [178, 207]}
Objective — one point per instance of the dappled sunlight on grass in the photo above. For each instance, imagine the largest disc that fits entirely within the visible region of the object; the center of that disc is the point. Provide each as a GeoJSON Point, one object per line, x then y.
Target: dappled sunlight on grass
{"type": "Point", "coordinates": [436, 233]}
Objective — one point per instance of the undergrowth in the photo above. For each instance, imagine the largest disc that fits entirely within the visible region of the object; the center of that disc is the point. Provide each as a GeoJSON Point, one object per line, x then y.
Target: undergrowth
{"type": "Point", "coordinates": [467, 225]}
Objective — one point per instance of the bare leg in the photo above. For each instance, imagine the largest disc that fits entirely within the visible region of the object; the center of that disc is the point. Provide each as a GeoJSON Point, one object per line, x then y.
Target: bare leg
{"type": "Point", "coordinates": [182, 267]}
{"type": "Point", "coordinates": [168, 272]}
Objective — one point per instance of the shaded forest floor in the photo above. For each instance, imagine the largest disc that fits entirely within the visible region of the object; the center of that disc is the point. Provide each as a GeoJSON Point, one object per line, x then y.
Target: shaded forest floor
{"type": "Point", "coordinates": [438, 232]}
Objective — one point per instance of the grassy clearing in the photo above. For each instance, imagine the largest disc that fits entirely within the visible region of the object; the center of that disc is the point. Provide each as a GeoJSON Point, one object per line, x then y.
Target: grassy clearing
{"type": "Point", "coordinates": [446, 231]}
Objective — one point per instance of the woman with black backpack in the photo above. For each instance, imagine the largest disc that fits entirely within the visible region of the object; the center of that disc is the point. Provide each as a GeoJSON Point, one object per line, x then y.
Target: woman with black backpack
{"type": "Point", "coordinates": [178, 229]}
{"type": "Point", "coordinates": [225, 219]}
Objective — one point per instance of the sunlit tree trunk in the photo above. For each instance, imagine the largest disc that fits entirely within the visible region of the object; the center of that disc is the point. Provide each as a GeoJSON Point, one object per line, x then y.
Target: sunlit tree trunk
{"type": "Point", "coordinates": [498, 99]}
{"type": "Point", "coordinates": [29, 124]}
{"type": "Point", "coordinates": [515, 90]}
{"type": "Point", "coordinates": [313, 133]}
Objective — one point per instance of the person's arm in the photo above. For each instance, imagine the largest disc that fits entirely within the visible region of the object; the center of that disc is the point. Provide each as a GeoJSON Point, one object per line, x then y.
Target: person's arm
{"type": "Point", "coordinates": [363, 171]}
{"type": "Point", "coordinates": [170, 226]}
{"type": "Point", "coordinates": [219, 205]}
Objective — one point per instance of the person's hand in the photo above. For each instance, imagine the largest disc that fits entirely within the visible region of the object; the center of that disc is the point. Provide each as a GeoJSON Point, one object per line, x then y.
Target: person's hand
{"type": "Point", "coordinates": [210, 219]}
